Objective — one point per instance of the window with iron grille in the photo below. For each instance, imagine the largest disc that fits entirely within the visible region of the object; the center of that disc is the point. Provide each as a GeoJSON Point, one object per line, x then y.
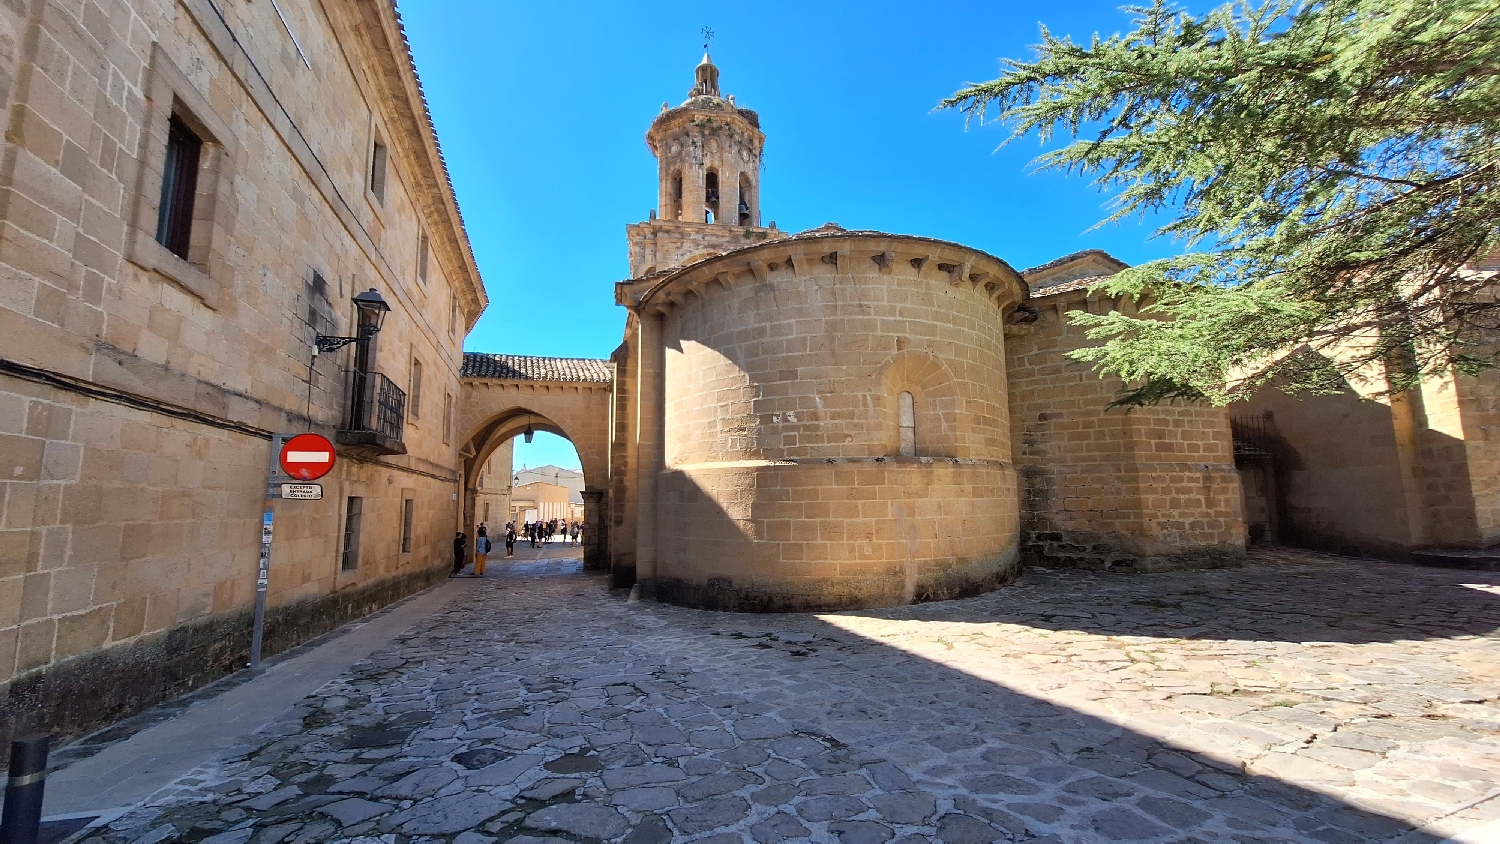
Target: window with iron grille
{"type": "Point", "coordinates": [353, 516]}
{"type": "Point", "coordinates": [179, 187]}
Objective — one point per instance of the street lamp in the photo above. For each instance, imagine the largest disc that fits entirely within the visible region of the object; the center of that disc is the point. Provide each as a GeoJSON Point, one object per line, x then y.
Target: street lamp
{"type": "Point", "coordinates": [528, 433]}
{"type": "Point", "coordinates": [372, 311]}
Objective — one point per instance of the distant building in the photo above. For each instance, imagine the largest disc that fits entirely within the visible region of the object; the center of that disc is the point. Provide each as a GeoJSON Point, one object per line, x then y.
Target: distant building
{"type": "Point", "coordinates": [539, 501]}
{"type": "Point", "coordinates": [570, 478]}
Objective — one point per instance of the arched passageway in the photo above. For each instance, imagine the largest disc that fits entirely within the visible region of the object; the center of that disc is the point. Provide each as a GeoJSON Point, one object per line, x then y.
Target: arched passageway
{"type": "Point", "coordinates": [503, 395]}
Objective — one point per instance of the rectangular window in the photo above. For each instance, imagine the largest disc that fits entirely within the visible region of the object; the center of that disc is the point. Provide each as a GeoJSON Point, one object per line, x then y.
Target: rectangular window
{"type": "Point", "coordinates": [453, 320]}
{"type": "Point", "coordinates": [414, 397]}
{"type": "Point", "coordinates": [422, 247]}
{"type": "Point", "coordinates": [179, 185]}
{"type": "Point", "coordinates": [353, 515]}
{"type": "Point", "coordinates": [447, 418]}
{"type": "Point", "coordinates": [408, 516]}
{"type": "Point", "coordinates": [377, 171]}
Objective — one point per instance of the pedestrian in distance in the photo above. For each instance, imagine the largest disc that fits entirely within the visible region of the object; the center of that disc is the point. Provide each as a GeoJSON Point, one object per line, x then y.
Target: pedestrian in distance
{"type": "Point", "coordinates": [481, 553]}
{"type": "Point", "coordinates": [510, 539]}
{"type": "Point", "coordinates": [460, 544]}
{"type": "Point", "coordinates": [577, 533]}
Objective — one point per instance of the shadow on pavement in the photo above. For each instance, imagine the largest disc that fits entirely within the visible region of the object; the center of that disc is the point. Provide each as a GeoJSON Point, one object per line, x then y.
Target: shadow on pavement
{"type": "Point", "coordinates": [1366, 602]}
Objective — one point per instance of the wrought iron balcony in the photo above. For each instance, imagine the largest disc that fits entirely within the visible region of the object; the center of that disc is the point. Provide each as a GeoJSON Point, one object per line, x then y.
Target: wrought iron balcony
{"type": "Point", "coordinates": [377, 415]}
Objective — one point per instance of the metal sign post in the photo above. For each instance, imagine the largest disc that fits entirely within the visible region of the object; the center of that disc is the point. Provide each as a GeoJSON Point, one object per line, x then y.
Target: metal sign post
{"type": "Point", "coordinates": [274, 479]}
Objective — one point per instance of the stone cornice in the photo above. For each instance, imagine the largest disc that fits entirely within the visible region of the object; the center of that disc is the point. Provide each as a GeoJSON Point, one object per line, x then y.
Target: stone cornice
{"type": "Point", "coordinates": [831, 250]}
{"type": "Point", "coordinates": [675, 120]}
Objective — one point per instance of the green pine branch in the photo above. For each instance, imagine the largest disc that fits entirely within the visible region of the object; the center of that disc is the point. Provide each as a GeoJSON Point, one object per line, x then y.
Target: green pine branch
{"type": "Point", "coordinates": [1332, 166]}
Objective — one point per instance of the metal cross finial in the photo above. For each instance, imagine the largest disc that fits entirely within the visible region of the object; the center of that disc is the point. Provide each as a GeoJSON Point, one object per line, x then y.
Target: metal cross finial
{"type": "Point", "coordinates": [708, 37]}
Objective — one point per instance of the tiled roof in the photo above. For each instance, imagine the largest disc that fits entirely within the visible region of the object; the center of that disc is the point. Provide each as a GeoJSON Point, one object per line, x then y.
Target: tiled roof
{"type": "Point", "coordinates": [1085, 253]}
{"type": "Point", "coordinates": [411, 60]}
{"type": "Point", "coordinates": [527, 368]}
{"type": "Point", "coordinates": [1068, 286]}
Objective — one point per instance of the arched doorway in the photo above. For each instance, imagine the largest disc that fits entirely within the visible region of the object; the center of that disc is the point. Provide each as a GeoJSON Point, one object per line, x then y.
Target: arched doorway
{"type": "Point", "coordinates": [512, 422]}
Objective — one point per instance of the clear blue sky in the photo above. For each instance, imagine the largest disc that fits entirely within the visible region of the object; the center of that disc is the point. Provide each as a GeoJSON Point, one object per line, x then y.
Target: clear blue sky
{"type": "Point", "coordinates": [542, 109]}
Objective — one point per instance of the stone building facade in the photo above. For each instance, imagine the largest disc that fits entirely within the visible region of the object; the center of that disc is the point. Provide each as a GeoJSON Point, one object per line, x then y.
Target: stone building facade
{"type": "Point", "coordinates": [1406, 476]}
{"type": "Point", "coordinates": [494, 488]}
{"type": "Point", "coordinates": [1139, 489]}
{"type": "Point", "coordinates": [190, 192]}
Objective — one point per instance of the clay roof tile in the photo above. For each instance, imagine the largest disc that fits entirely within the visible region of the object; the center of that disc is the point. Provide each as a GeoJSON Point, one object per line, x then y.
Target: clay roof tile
{"type": "Point", "coordinates": [528, 368]}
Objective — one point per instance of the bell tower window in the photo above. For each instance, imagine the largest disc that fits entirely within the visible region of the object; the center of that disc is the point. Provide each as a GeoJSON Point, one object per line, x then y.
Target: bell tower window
{"type": "Point", "coordinates": [711, 197]}
{"type": "Point", "coordinates": [746, 216]}
{"type": "Point", "coordinates": [674, 197]}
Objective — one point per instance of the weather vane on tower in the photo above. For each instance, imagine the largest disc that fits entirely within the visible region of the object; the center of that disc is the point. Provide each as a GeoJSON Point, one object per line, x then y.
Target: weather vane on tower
{"type": "Point", "coordinates": [708, 37]}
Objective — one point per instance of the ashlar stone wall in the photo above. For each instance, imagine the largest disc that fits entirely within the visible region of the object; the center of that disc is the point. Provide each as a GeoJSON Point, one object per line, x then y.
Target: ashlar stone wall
{"type": "Point", "coordinates": [1145, 488]}
{"type": "Point", "coordinates": [782, 485]}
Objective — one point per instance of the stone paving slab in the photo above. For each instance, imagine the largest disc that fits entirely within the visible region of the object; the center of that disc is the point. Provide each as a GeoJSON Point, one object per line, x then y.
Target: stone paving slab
{"type": "Point", "coordinates": [127, 763]}
{"type": "Point", "coordinates": [1299, 699]}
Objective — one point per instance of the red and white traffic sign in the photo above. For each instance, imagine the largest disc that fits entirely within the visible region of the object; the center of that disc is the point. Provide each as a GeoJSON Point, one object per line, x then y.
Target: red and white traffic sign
{"type": "Point", "coordinates": [307, 457]}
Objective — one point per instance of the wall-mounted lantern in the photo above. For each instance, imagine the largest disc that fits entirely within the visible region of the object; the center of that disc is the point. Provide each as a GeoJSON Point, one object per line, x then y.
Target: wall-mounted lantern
{"type": "Point", "coordinates": [372, 311]}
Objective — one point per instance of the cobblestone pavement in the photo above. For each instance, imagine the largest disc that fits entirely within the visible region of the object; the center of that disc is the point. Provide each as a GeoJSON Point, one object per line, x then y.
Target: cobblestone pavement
{"type": "Point", "coordinates": [1301, 698]}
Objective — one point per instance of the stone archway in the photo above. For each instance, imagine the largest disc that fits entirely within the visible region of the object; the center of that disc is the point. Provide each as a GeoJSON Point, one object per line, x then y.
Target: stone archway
{"type": "Point", "coordinates": [570, 397]}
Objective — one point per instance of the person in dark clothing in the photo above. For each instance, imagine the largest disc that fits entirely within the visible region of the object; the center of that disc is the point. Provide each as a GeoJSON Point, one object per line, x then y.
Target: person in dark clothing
{"type": "Point", "coordinates": [510, 539]}
{"type": "Point", "coordinates": [460, 544]}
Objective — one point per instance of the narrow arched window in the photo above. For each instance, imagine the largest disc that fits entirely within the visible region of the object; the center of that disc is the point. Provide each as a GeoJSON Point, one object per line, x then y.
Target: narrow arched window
{"type": "Point", "coordinates": [906, 411]}
{"type": "Point", "coordinates": [674, 209]}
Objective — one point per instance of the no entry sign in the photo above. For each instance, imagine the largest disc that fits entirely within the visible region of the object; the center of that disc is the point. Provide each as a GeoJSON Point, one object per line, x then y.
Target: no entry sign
{"type": "Point", "coordinates": [307, 457]}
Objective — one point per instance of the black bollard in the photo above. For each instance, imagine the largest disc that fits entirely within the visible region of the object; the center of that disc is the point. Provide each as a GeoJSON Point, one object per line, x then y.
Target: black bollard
{"type": "Point", "coordinates": [22, 820]}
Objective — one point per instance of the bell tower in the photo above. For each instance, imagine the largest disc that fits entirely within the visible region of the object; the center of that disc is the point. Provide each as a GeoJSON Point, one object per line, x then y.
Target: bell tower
{"type": "Point", "coordinates": [708, 152]}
